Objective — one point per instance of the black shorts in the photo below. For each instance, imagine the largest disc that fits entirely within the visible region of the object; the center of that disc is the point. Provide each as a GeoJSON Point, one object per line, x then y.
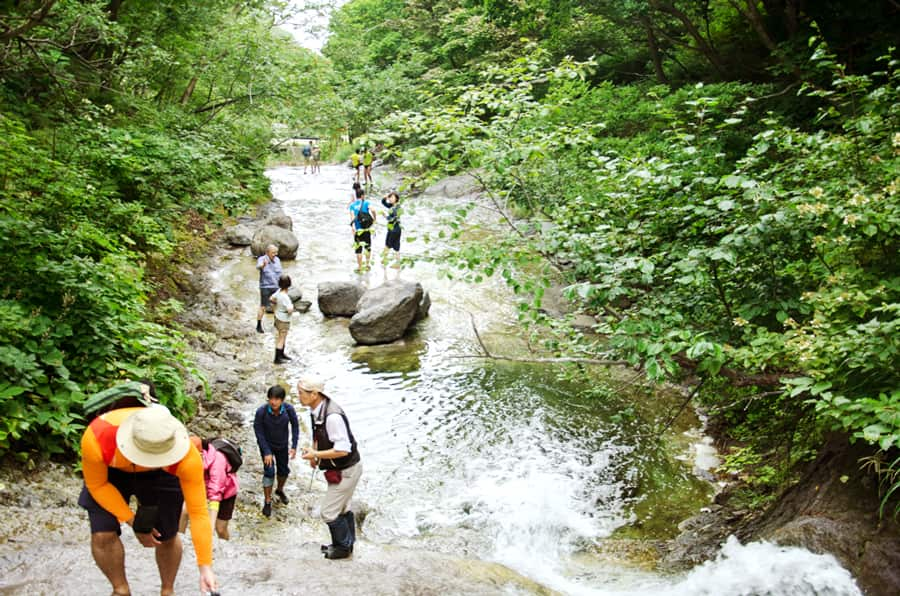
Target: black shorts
{"type": "Point", "coordinates": [264, 295]}
{"type": "Point", "coordinates": [151, 488]}
{"type": "Point", "coordinates": [362, 239]}
{"type": "Point", "coordinates": [226, 508]}
{"type": "Point", "coordinates": [393, 238]}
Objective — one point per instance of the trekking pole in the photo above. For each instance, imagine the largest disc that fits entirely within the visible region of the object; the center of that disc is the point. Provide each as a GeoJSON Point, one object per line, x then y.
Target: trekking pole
{"type": "Point", "coordinates": [311, 478]}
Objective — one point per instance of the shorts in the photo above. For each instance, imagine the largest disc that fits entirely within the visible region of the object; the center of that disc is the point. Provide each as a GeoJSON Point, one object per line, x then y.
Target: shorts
{"type": "Point", "coordinates": [393, 238]}
{"type": "Point", "coordinates": [226, 508]}
{"type": "Point", "coordinates": [265, 294]}
{"type": "Point", "coordinates": [282, 325]}
{"type": "Point", "coordinates": [362, 239]}
{"type": "Point", "coordinates": [151, 488]}
{"type": "Point", "coordinates": [281, 464]}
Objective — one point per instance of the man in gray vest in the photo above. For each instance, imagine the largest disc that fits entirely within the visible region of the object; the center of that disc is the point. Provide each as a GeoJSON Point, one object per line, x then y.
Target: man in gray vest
{"type": "Point", "coordinates": [334, 451]}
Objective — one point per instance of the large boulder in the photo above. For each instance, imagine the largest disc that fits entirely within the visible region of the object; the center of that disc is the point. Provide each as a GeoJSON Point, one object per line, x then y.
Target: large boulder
{"type": "Point", "coordinates": [384, 313]}
{"type": "Point", "coordinates": [282, 221]}
{"type": "Point", "coordinates": [284, 239]}
{"type": "Point", "coordinates": [339, 298]}
{"type": "Point", "coordinates": [239, 235]}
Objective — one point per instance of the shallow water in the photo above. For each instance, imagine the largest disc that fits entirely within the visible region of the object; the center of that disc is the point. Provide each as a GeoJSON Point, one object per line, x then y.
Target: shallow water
{"type": "Point", "coordinates": [481, 477]}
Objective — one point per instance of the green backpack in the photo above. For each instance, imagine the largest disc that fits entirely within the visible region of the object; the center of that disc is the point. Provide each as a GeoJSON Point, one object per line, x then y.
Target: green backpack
{"type": "Point", "coordinates": [124, 395]}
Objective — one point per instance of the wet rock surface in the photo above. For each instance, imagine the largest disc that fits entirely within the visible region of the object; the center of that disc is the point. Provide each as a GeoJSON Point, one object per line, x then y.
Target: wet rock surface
{"type": "Point", "coordinates": [284, 239]}
{"type": "Point", "coordinates": [339, 298]}
{"type": "Point", "coordinates": [44, 534]}
{"type": "Point", "coordinates": [384, 313]}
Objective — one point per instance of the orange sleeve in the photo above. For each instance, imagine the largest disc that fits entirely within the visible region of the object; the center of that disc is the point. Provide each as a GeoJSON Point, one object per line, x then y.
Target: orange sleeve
{"type": "Point", "coordinates": [96, 478]}
{"type": "Point", "coordinates": [190, 475]}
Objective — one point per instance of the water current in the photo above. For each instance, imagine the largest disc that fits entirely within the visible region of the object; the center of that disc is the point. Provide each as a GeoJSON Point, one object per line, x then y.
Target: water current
{"type": "Point", "coordinates": [500, 461]}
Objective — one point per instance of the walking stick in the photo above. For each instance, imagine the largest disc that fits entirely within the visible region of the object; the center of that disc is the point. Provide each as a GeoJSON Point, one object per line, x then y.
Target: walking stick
{"type": "Point", "coordinates": [311, 478]}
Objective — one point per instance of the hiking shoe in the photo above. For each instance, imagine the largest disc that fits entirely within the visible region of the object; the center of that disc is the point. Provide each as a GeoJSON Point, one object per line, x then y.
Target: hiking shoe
{"type": "Point", "coordinates": [337, 552]}
{"type": "Point", "coordinates": [281, 496]}
{"type": "Point", "coordinates": [267, 510]}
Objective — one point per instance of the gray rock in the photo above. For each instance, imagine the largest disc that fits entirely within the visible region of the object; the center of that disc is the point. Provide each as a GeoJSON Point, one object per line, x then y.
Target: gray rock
{"type": "Point", "coordinates": [296, 296]}
{"type": "Point", "coordinates": [454, 186]}
{"type": "Point", "coordinates": [239, 235]}
{"type": "Point", "coordinates": [384, 313]}
{"type": "Point", "coordinates": [339, 298]}
{"type": "Point", "coordinates": [268, 210]}
{"type": "Point", "coordinates": [282, 221]}
{"type": "Point", "coordinates": [424, 307]}
{"type": "Point", "coordinates": [284, 239]}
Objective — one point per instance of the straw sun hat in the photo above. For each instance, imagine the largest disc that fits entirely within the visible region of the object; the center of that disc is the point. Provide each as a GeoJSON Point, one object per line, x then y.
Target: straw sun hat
{"type": "Point", "coordinates": [153, 438]}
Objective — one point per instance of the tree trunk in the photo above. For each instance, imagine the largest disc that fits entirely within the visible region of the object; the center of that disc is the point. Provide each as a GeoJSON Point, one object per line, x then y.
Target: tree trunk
{"type": "Point", "coordinates": [189, 91]}
{"type": "Point", "coordinates": [703, 46]}
{"type": "Point", "coordinates": [655, 56]}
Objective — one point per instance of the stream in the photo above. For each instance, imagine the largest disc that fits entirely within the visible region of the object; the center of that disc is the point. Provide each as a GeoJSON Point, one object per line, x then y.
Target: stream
{"type": "Point", "coordinates": [480, 476]}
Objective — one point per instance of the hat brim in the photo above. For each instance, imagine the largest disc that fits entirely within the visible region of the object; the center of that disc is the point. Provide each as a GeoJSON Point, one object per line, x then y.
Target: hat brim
{"type": "Point", "coordinates": [124, 441]}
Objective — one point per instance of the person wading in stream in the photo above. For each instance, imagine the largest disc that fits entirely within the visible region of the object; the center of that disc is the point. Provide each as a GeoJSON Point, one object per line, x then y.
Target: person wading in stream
{"type": "Point", "coordinates": [284, 308]}
{"type": "Point", "coordinates": [270, 271]}
{"type": "Point", "coordinates": [144, 452]}
{"type": "Point", "coordinates": [271, 427]}
{"type": "Point", "coordinates": [362, 222]}
{"type": "Point", "coordinates": [334, 451]}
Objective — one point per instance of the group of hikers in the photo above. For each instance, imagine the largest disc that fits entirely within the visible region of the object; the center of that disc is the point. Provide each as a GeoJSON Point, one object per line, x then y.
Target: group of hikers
{"type": "Point", "coordinates": [136, 447]}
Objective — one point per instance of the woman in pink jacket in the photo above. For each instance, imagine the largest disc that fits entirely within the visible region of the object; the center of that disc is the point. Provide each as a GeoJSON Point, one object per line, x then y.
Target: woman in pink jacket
{"type": "Point", "coordinates": [221, 486]}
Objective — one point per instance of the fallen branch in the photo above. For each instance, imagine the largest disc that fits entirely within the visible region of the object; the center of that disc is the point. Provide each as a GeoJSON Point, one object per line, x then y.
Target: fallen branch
{"type": "Point", "coordinates": [489, 355]}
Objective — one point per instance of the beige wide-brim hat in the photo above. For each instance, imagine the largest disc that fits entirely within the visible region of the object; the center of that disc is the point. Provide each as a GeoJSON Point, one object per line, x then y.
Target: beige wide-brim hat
{"type": "Point", "coordinates": [312, 383]}
{"type": "Point", "coordinates": [153, 438]}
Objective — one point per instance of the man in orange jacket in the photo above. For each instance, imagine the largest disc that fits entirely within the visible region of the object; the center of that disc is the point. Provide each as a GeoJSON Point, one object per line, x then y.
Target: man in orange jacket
{"type": "Point", "coordinates": [144, 452]}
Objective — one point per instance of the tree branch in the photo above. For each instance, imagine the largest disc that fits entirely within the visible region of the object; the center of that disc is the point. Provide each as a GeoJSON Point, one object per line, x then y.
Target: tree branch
{"type": "Point", "coordinates": [32, 21]}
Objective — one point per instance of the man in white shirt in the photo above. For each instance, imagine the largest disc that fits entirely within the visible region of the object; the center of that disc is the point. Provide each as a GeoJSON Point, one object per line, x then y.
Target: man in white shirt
{"type": "Point", "coordinates": [334, 451]}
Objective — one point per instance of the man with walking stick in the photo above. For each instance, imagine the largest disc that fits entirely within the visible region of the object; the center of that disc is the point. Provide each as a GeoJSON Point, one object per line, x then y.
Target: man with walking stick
{"type": "Point", "coordinates": [333, 450]}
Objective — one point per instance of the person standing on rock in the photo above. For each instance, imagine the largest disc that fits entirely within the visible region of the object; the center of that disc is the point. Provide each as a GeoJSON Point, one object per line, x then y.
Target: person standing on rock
{"type": "Point", "coordinates": [144, 452]}
{"type": "Point", "coordinates": [333, 450]}
{"type": "Point", "coordinates": [284, 308]}
{"type": "Point", "coordinates": [362, 221]}
{"type": "Point", "coordinates": [392, 241]}
{"type": "Point", "coordinates": [270, 271]}
{"type": "Point", "coordinates": [271, 424]}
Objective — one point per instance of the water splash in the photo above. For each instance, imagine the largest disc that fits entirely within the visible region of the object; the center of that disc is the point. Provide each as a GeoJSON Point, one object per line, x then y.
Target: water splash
{"type": "Point", "coordinates": [765, 569]}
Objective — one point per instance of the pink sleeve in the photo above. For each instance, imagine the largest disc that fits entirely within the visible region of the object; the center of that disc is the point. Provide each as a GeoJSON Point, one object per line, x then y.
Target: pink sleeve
{"type": "Point", "coordinates": [215, 487]}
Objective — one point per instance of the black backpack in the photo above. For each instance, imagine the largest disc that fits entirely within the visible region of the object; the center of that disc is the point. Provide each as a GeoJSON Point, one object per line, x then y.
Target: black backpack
{"type": "Point", "coordinates": [363, 217]}
{"type": "Point", "coordinates": [232, 452]}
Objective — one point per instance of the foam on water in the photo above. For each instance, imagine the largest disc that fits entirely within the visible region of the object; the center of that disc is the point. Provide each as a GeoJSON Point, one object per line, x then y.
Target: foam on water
{"type": "Point", "coordinates": [490, 461]}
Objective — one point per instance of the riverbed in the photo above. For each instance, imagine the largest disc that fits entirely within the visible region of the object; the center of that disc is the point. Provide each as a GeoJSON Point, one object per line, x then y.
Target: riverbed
{"type": "Point", "coordinates": [481, 476]}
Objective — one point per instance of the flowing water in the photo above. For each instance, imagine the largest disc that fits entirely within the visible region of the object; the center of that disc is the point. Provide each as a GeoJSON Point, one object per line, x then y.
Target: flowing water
{"type": "Point", "coordinates": [480, 476]}
{"type": "Point", "coordinates": [491, 460]}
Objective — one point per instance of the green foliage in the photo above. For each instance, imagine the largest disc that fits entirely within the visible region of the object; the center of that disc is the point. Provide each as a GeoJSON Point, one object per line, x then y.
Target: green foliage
{"type": "Point", "coordinates": [707, 230]}
{"type": "Point", "coordinates": [123, 127]}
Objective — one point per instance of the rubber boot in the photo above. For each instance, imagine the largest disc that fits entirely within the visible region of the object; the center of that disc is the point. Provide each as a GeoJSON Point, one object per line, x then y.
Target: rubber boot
{"type": "Point", "coordinates": [278, 356]}
{"type": "Point", "coordinates": [284, 356]}
{"type": "Point", "coordinates": [351, 524]}
{"type": "Point", "coordinates": [259, 328]}
{"type": "Point", "coordinates": [340, 539]}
